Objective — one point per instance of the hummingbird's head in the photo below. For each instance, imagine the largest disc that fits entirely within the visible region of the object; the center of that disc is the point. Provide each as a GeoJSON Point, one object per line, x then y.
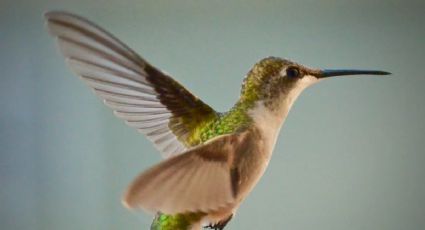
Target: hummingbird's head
{"type": "Point", "coordinates": [277, 82]}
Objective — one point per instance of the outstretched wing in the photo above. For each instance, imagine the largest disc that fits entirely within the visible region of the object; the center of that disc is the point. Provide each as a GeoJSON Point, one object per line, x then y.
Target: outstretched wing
{"type": "Point", "coordinates": [146, 98]}
{"type": "Point", "coordinates": [200, 180]}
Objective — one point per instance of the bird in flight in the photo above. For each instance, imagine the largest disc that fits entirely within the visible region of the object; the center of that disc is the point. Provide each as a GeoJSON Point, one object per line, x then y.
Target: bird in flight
{"type": "Point", "coordinates": [212, 160]}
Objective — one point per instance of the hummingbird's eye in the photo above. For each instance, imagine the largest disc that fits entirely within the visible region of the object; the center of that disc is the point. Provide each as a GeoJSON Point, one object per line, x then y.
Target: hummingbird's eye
{"type": "Point", "coordinates": [292, 72]}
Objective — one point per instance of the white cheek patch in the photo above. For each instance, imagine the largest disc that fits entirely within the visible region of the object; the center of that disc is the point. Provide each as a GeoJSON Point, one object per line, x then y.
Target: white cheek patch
{"type": "Point", "coordinates": [301, 84]}
{"type": "Point", "coordinates": [283, 72]}
{"type": "Point", "coordinates": [308, 80]}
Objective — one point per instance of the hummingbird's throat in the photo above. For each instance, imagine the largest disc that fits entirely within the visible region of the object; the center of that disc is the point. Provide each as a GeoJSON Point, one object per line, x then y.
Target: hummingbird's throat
{"type": "Point", "coordinates": [269, 114]}
{"type": "Point", "coordinates": [268, 122]}
{"type": "Point", "coordinates": [281, 103]}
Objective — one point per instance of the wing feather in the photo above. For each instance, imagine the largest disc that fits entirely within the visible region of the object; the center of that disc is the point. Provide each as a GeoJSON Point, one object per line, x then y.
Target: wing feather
{"type": "Point", "coordinates": [198, 180]}
{"type": "Point", "coordinates": [146, 98]}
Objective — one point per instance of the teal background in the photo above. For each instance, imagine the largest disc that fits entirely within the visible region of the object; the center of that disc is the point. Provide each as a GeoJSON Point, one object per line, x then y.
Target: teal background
{"type": "Point", "coordinates": [350, 156]}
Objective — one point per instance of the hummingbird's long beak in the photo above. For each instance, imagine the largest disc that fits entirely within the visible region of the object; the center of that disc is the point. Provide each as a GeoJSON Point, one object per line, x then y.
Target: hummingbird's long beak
{"type": "Point", "coordinates": [341, 72]}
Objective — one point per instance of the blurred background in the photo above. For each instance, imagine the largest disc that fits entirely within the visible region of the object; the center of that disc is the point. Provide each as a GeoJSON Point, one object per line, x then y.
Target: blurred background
{"type": "Point", "coordinates": [350, 156]}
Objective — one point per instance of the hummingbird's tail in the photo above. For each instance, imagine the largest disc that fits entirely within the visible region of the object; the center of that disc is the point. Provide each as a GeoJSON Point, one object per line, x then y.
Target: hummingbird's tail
{"type": "Point", "coordinates": [189, 221]}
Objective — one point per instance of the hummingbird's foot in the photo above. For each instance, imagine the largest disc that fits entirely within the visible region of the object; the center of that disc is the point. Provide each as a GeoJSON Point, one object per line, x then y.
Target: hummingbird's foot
{"type": "Point", "coordinates": [221, 224]}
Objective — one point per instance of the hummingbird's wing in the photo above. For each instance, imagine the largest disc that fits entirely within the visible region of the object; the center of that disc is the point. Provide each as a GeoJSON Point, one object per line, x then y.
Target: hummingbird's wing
{"type": "Point", "coordinates": [146, 98]}
{"type": "Point", "coordinates": [200, 180]}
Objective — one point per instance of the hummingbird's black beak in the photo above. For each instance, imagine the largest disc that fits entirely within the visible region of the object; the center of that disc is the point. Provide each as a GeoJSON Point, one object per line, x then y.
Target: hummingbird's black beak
{"type": "Point", "coordinates": [341, 72]}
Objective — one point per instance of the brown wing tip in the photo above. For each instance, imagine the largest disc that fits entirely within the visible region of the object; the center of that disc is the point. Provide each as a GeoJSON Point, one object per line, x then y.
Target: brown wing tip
{"type": "Point", "coordinates": [131, 205]}
{"type": "Point", "coordinates": [127, 203]}
{"type": "Point", "coordinates": [56, 15]}
{"type": "Point", "coordinates": [49, 14]}
{"type": "Point", "coordinates": [129, 199]}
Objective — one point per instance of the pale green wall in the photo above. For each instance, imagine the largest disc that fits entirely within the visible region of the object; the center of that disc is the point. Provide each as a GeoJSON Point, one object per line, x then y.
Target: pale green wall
{"type": "Point", "coordinates": [351, 155]}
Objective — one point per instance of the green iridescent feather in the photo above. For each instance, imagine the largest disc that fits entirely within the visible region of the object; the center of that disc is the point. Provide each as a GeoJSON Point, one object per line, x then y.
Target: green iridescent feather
{"type": "Point", "coordinates": [175, 222]}
{"type": "Point", "coordinates": [203, 123]}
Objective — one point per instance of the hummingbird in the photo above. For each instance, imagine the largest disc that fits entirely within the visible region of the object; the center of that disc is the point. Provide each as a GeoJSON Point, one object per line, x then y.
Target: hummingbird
{"type": "Point", "coordinates": [212, 160]}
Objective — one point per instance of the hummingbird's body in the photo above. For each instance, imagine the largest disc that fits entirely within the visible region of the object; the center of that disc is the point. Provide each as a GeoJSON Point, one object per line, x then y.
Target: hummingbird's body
{"type": "Point", "coordinates": [212, 160]}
